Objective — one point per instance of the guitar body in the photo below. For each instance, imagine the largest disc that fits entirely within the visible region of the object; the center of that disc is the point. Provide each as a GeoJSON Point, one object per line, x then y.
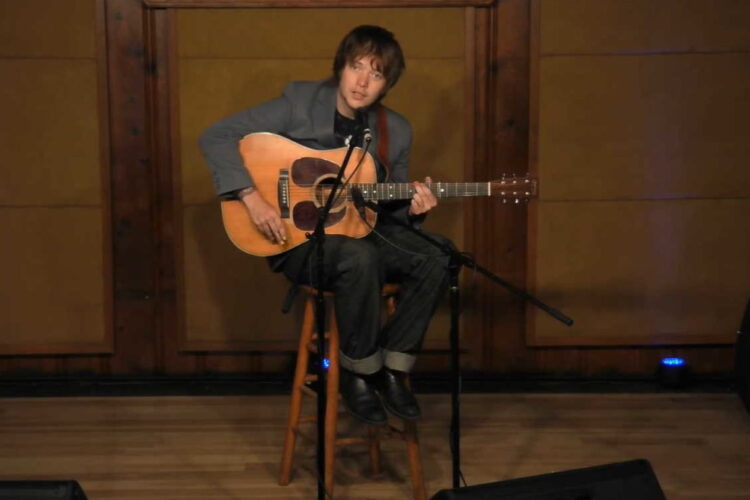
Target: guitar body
{"type": "Point", "coordinates": [293, 179]}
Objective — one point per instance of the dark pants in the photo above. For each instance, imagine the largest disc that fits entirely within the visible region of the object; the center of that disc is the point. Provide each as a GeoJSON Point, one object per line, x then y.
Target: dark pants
{"type": "Point", "coordinates": [355, 270]}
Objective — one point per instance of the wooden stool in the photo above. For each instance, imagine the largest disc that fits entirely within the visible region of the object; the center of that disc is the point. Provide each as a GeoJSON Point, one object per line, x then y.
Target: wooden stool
{"type": "Point", "coordinates": [300, 386]}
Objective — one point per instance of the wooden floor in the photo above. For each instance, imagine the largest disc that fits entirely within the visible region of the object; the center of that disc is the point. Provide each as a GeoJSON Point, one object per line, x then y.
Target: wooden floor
{"type": "Point", "coordinates": [228, 447]}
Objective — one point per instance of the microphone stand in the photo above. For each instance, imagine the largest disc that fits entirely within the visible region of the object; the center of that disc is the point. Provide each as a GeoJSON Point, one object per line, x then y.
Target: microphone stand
{"type": "Point", "coordinates": [317, 240]}
{"type": "Point", "coordinates": [456, 261]}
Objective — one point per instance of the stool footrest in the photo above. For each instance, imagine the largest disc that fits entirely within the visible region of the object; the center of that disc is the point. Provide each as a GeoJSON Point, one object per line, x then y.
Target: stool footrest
{"type": "Point", "coordinates": [307, 390]}
{"type": "Point", "coordinates": [352, 440]}
{"type": "Point", "coordinates": [346, 441]}
{"type": "Point", "coordinates": [311, 419]}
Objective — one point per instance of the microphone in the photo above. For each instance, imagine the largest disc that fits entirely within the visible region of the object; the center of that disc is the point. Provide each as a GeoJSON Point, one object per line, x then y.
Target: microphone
{"type": "Point", "coordinates": [363, 125]}
{"type": "Point", "coordinates": [359, 201]}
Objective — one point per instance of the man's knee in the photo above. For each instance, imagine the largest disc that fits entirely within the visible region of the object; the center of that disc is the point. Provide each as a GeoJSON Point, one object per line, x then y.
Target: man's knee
{"type": "Point", "coordinates": [432, 262]}
{"type": "Point", "coordinates": [358, 257]}
{"type": "Point", "coordinates": [441, 253]}
{"type": "Point", "coordinates": [444, 241]}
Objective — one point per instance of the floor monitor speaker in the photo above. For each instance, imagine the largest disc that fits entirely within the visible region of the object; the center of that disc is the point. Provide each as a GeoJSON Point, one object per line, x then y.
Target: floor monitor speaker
{"type": "Point", "coordinates": [619, 481]}
{"type": "Point", "coordinates": [41, 490]}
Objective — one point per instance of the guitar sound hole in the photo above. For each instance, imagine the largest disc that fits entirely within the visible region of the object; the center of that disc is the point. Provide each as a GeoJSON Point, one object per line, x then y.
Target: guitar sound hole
{"type": "Point", "coordinates": [322, 190]}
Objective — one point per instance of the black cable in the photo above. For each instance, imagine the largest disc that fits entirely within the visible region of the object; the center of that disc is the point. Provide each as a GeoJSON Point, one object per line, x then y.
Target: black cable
{"type": "Point", "coordinates": [382, 237]}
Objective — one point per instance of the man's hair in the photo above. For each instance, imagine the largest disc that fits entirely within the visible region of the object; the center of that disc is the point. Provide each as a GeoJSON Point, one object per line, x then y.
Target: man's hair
{"type": "Point", "coordinates": [373, 41]}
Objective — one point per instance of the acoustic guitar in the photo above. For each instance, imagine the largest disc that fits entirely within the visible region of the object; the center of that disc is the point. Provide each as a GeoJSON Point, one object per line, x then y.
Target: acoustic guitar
{"type": "Point", "coordinates": [296, 181]}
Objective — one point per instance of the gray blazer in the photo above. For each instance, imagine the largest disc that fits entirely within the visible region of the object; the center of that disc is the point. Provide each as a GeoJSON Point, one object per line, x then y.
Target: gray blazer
{"type": "Point", "coordinates": [304, 113]}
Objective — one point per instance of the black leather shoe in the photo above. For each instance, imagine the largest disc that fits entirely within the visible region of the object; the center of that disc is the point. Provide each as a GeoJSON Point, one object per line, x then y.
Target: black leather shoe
{"type": "Point", "coordinates": [396, 395]}
{"type": "Point", "coordinates": [360, 398]}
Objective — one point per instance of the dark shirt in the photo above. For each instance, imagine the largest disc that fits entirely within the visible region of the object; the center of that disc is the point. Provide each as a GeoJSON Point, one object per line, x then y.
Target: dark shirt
{"type": "Point", "coordinates": [343, 128]}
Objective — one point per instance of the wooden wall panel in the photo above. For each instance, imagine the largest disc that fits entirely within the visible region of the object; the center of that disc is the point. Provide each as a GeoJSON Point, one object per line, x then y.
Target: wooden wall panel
{"type": "Point", "coordinates": [655, 272]}
{"type": "Point", "coordinates": [265, 33]}
{"type": "Point", "coordinates": [639, 126]}
{"type": "Point", "coordinates": [53, 281]}
{"type": "Point", "coordinates": [49, 133]}
{"type": "Point", "coordinates": [643, 26]}
{"type": "Point", "coordinates": [52, 199]}
{"type": "Point", "coordinates": [48, 28]}
{"type": "Point", "coordinates": [230, 60]}
{"type": "Point", "coordinates": [644, 127]}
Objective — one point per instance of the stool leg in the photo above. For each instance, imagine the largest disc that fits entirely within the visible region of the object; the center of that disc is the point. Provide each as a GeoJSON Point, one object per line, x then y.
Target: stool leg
{"type": "Point", "coordinates": [295, 407]}
{"type": "Point", "coordinates": [374, 441]}
{"type": "Point", "coordinates": [332, 403]}
{"type": "Point", "coordinates": [415, 461]}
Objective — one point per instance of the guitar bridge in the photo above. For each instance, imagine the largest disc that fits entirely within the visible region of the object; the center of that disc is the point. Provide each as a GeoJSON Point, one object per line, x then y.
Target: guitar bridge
{"type": "Point", "coordinates": [282, 193]}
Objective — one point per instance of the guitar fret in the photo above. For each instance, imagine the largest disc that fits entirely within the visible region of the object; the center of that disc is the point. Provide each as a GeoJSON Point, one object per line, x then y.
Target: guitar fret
{"type": "Point", "coordinates": [403, 190]}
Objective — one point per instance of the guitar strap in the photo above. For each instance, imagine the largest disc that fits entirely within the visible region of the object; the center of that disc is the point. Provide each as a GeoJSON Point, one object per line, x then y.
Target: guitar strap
{"type": "Point", "coordinates": [383, 140]}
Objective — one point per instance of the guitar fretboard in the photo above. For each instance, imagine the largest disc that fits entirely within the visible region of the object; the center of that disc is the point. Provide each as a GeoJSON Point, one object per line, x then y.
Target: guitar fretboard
{"type": "Point", "coordinates": [405, 190]}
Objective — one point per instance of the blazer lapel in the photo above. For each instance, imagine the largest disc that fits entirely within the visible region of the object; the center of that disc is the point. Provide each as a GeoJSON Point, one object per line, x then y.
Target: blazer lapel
{"type": "Point", "coordinates": [323, 113]}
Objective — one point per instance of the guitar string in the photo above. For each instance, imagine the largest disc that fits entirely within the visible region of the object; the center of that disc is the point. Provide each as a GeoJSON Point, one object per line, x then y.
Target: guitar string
{"type": "Point", "coordinates": [479, 190]}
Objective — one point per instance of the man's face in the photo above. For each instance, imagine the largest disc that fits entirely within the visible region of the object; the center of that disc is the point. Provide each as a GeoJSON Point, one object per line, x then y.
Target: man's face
{"type": "Point", "coordinates": [360, 85]}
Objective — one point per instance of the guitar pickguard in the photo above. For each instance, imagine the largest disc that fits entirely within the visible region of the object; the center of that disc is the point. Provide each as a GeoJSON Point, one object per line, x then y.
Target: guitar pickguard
{"type": "Point", "coordinates": [305, 216]}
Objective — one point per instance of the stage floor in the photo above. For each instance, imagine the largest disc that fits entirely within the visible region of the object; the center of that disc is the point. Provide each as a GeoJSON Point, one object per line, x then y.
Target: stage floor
{"type": "Point", "coordinates": [228, 447]}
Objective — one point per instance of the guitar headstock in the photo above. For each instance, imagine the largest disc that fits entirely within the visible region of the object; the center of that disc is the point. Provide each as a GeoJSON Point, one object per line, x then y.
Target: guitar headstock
{"type": "Point", "coordinates": [514, 188]}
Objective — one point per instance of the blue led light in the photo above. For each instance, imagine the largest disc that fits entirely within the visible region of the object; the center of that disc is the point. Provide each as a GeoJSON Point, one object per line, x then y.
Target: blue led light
{"type": "Point", "coordinates": [326, 363]}
{"type": "Point", "coordinates": [672, 361]}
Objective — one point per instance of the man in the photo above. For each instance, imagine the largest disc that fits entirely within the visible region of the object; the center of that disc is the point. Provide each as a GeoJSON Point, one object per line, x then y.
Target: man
{"type": "Point", "coordinates": [375, 361]}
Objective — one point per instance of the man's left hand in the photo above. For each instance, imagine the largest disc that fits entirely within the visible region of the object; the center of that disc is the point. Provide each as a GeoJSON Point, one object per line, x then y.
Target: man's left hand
{"type": "Point", "coordinates": [423, 200]}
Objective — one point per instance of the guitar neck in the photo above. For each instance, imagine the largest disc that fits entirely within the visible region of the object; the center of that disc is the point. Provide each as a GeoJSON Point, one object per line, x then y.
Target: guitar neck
{"type": "Point", "coordinates": [404, 190]}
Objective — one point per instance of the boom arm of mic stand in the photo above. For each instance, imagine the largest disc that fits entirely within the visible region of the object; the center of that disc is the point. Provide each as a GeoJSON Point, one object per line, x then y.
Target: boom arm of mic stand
{"type": "Point", "coordinates": [559, 316]}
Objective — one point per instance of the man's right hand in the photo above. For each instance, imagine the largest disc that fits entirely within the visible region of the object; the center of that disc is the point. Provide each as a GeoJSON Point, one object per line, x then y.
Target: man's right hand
{"type": "Point", "coordinates": [265, 217]}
